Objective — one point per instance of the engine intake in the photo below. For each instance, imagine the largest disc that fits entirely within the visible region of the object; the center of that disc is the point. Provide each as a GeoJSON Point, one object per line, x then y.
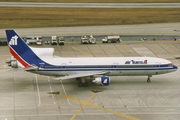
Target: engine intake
{"type": "Point", "coordinates": [12, 63]}
{"type": "Point", "coordinates": [103, 81]}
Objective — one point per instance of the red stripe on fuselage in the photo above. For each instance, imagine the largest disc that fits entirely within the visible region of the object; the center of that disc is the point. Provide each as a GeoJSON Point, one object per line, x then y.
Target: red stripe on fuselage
{"type": "Point", "coordinates": [24, 63]}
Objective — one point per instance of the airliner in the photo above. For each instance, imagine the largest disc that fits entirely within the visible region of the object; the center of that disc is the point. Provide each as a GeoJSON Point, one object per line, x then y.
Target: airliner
{"type": "Point", "coordinates": [98, 69]}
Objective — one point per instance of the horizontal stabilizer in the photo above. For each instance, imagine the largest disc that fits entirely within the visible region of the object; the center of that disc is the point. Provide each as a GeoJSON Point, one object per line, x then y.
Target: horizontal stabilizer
{"type": "Point", "coordinates": [25, 69]}
{"type": "Point", "coordinates": [81, 75]}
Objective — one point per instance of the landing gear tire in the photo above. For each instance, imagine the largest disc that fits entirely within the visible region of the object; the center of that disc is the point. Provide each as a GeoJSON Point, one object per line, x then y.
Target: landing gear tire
{"type": "Point", "coordinates": [86, 84]}
{"type": "Point", "coordinates": [148, 81]}
{"type": "Point", "coordinates": [80, 84]}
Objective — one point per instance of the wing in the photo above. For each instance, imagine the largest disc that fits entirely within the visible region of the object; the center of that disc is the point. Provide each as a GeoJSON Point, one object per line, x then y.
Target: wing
{"type": "Point", "coordinates": [81, 75]}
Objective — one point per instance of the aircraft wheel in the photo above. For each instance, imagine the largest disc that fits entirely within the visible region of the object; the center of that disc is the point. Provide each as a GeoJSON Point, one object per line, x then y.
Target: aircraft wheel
{"type": "Point", "coordinates": [80, 84]}
{"type": "Point", "coordinates": [148, 81]}
{"type": "Point", "coordinates": [86, 84]}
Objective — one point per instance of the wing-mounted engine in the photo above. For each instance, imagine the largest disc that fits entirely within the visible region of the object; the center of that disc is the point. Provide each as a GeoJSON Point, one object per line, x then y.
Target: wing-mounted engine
{"type": "Point", "coordinates": [103, 81]}
{"type": "Point", "coordinates": [12, 62]}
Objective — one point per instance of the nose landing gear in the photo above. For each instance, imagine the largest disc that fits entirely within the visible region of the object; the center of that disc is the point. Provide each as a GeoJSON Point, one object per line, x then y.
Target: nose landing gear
{"type": "Point", "coordinates": [148, 79]}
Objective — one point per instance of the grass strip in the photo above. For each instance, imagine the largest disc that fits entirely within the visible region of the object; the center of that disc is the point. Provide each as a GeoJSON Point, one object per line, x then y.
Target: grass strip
{"type": "Point", "coordinates": [57, 17]}
{"type": "Point", "coordinates": [95, 1]}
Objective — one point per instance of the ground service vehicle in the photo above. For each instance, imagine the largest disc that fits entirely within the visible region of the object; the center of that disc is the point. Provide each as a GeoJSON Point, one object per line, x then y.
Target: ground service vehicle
{"type": "Point", "coordinates": [54, 40]}
{"type": "Point", "coordinates": [92, 40]}
{"type": "Point", "coordinates": [112, 39]}
{"type": "Point", "coordinates": [61, 40]}
{"type": "Point", "coordinates": [33, 40]}
{"type": "Point", "coordinates": [84, 39]}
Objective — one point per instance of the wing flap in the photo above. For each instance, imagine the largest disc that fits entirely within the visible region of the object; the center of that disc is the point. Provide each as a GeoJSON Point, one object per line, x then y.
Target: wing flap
{"type": "Point", "coordinates": [81, 75]}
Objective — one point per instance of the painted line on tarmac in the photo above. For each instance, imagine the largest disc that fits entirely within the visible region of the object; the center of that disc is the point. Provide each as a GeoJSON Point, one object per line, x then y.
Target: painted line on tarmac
{"type": "Point", "coordinates": [99, 107]}
{"type": "Point", "coordinates": [83, 106]}
{"type": "Point", "coordinates": [82, 51]}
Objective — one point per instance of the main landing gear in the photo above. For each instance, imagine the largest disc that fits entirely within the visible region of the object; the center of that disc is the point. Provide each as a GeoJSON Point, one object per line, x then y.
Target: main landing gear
{"type": "Point", "coordinates": [80, 84]}
{"type": "Point", "coordinates": [148, 79]}
{"type": "Point", "coordinates": [83, 83]}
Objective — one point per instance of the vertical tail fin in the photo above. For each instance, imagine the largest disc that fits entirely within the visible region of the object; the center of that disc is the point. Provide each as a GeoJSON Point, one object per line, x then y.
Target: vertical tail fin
{"type": "Point", "coordinates": [21, 51]}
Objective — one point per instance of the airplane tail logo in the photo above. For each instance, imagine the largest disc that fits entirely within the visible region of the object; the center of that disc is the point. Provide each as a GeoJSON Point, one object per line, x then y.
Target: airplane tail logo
{"type": "Point", "coordinates": [13, 40]}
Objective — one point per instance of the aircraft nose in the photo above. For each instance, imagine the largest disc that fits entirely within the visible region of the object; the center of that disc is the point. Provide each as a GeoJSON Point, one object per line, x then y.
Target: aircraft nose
{"type": "Point", "coordinates": [175, 67]}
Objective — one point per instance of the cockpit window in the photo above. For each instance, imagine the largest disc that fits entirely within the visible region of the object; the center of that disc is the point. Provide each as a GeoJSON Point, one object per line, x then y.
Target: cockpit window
{"type": "Point", "coordinates": [170, 64]}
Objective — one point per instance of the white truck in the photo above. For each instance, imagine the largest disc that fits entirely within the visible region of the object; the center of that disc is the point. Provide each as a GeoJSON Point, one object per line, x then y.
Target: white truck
{"type": "Point", "coordinates": [92, 40]}
{"type": "Point", "coordinates": [38, 41]}
{"type": "Point", "coordinates": [57, 40]}
{"type": "Point", "coordinates": [54, 40]}
{"type": "Point", "coordinates": [61, 40]}
{"type": "Point", "coordinates": [84, 39]}
{"type": "Point", "coordinates": [33, 39]}
{"type": "Point", "coordinates": [112, 39]}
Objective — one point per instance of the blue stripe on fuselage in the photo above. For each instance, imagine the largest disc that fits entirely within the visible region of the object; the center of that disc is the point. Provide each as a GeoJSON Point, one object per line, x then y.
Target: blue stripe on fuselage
{"type": "Point", "coordinates": [107, 67]}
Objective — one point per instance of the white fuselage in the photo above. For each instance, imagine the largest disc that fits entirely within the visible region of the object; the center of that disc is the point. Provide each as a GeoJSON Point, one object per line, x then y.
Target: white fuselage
{"type": "Point", "coordinates": [117, 66]}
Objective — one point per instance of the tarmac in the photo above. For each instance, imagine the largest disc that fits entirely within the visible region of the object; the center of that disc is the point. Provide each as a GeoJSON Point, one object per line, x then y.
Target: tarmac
{"type": "Point", "coordinates": [137, 29]}
{"type": "Point", "coordinates": [27, 96]}
{"type": "Point", "coordinates": [91, 5]}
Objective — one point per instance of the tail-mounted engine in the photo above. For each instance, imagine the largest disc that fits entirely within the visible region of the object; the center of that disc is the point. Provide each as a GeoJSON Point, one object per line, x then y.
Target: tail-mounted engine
{"type": "Point", "coordinates": [103, 81]}
{"type": "Point", "coordinates": [12, 62]}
